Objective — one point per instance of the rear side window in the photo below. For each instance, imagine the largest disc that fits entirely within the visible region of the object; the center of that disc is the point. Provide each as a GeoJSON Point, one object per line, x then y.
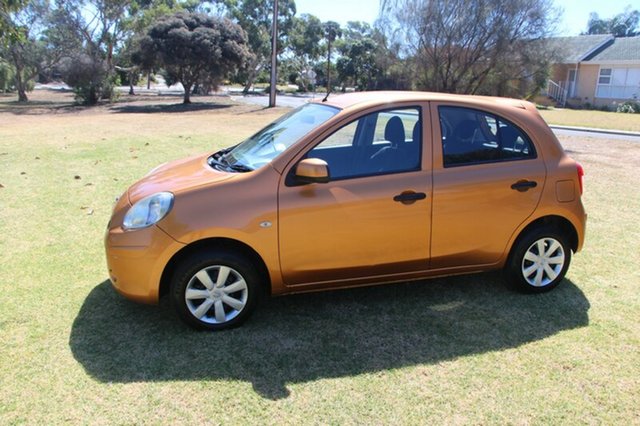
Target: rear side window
{"type": "Point", "coordinates": [470, 136]}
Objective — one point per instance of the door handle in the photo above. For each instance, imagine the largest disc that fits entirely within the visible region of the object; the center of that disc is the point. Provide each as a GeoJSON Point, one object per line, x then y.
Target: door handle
{"type": "Point", "coordinates": [409, 197]}
{"type": "Point", "coordinates": [524, 185]}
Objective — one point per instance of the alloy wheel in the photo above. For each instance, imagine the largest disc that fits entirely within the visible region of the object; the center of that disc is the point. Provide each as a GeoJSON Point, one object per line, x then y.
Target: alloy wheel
{"type": "Point", "coordinates": [543, 262]}
{"type": "Point", "coordinates": [216, 294]}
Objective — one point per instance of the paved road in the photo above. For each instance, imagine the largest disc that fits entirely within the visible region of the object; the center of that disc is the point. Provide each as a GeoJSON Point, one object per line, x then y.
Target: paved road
{"type": "Point", "coordinates": [597, 135]}
{"type": "Point", "coordinates": [294, 101]}
{"type": "Point", "coordinates": [281, 101]}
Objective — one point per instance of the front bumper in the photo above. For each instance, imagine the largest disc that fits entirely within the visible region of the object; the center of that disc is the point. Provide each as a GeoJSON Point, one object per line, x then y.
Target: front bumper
{"type": "Point", "coordinates": [137, 259]}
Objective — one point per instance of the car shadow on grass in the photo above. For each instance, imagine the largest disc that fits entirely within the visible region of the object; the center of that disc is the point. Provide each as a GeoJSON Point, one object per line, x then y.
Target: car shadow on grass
{"type": "Point", "coordinates": [306, 337]}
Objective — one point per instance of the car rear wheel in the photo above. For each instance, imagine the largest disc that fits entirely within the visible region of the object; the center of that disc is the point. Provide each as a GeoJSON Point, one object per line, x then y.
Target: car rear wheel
{"type": "Point", "coordinates": [538, 261]}
{"type": "Point", "coordinates": [215, 290]}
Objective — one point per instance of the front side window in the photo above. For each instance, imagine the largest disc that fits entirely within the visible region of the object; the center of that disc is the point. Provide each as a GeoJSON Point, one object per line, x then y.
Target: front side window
{"type": "Point", "coordinates": [377, 143]}
{"type": "Point", "coordinates": [471, 136]}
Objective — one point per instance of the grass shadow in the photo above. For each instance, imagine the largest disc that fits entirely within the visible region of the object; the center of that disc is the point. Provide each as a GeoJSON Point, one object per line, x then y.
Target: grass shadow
{"type": "Point", "coordinates": [168, 108]}
{"type": "Point", "coordinates": [306, 337]}
{"type": "Point", "coordinates": [40, 107]}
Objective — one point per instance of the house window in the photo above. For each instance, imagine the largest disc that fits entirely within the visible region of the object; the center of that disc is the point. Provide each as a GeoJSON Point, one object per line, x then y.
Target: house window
{"type": "Point", "coordinates": [605, 76]}
{"type": "Point", "coordinates": [618, 83]}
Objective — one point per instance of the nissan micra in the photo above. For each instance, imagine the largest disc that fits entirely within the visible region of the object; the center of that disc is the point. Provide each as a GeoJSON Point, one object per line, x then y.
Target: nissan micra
{"type": "Point", "coordinates": [358, 189]}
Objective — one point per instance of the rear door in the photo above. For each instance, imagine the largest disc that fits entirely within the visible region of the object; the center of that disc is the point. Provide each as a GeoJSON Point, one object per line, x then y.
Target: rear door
{"type": "Point", "coordinates": [487, 179]}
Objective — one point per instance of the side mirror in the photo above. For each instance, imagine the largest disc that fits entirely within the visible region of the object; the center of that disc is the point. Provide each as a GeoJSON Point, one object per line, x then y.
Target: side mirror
{"type": "Point", "coordinates": [312, 170]}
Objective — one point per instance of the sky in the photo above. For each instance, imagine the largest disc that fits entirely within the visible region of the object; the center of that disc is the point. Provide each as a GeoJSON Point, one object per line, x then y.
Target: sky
{"type": "Point", "coordinates": [574, 19]}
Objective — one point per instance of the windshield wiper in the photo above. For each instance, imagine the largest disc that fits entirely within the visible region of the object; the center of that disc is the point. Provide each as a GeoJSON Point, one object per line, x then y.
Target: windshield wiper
{"type": "Point", "coordinates": [238, 167]}
{"type": "Point", "coordinates": [220, 162]}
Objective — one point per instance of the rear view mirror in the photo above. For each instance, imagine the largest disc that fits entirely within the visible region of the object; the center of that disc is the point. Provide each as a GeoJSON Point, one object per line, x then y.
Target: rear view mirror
{"type": "Point", "coordinates": [312, 170]}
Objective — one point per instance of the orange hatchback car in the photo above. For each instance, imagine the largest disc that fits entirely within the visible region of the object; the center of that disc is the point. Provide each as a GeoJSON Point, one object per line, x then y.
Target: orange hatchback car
{"type": "Point", "coordinates": [359, 189]}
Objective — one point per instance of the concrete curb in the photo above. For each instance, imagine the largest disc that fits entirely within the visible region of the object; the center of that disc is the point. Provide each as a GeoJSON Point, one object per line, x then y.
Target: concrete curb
{"type": "Point", "coordinates": [595, 130]}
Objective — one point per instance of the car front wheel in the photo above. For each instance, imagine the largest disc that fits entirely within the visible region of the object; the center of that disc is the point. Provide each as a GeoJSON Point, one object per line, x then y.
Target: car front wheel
{"type": "Point", "coordinates": [539, 261]}
{"type": "Point", "coordinates": [215, 290]}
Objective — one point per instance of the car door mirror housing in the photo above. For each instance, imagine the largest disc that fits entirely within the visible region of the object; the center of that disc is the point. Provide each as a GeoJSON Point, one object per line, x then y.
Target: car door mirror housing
{"type": "Point", "coordinates": [312, 170]}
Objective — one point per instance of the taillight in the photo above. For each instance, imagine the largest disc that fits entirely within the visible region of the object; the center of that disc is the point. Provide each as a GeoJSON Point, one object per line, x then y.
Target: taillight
{"type": "Point", "coordinates": [580, 177]}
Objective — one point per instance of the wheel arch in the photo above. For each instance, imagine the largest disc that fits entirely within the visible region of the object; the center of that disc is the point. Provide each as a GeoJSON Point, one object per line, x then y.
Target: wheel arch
{"type": "Point", "coordinates": [559, 223]}
{"type": "Point", "coordinates": [214, 243]}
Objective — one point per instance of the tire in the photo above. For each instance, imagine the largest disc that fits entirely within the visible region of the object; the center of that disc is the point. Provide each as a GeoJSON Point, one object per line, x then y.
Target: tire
{"type": "Point", "coordinates": [529, 272]}
{"type": "Point", "coordinates": [215, 290]}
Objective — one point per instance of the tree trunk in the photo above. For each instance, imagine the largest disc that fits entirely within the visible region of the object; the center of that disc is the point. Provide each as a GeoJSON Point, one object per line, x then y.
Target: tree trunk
{"type": "Point", "coordinates": [131, 75]}
{"type": "Point", "coordinates": [20, 81]}
{"type": "Point", "coordinates": [92, 98]}
{"type": "Point", "coordinates": [22, 95]}
{"type": "Point", "coordinates": [255, 69]}
{"type": "Point", "coordinates": [187, 93]}
{"type": "Point", "coordinates": [148, 80]}
{"type": "Point", "coordinates": [20, 85]}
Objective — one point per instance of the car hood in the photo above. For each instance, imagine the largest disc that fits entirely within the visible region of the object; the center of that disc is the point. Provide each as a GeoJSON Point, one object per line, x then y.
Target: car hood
{"type": "Point", "coordinates": [177, 176]}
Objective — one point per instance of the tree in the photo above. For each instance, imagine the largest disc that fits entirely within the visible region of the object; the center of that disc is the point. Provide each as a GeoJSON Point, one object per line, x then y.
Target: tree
{"type": "Point", "coordinates": [358, 64]}
{"type": "Point", "coordinates": [97, 28]}
{"type": "Point", "coordinates": [332, 31]}
{"type": "Point", "coordinates": [19, 48]}
{"type": "Point", "coordinates": [255, 17]}
{"type": "Point", "coordinates": [141, 15]}
{"type": "Point", "coordinates": [194, 48]}
{"type": "Point", "coordinates": [36, 49]}
{"type": "Point", "coordinates": [360, 50]}
{"type": "Point", "coordinates": [625, 24]}
{"type": "Point", "coordinates": [472, 47]}
{"type": "Point", "coordinates": [305, 40]}
{"type": "Point", "coordinates": [8, 31]}
{"type": "Point", "coordinates": [102, 31]}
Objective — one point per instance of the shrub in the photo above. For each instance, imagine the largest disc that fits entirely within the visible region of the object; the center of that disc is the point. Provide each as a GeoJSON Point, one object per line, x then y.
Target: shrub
{"type": "Point", "coordinates": [89, 78]}
{"type": "Point", "coordinates": [629, 107]}
{"type": "Point", "coordinates": [7, 76]}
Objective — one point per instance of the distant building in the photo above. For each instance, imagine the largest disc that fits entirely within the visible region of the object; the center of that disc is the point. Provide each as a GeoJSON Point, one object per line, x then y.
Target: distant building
{"type": "Point", "coordinates": [600, 70]}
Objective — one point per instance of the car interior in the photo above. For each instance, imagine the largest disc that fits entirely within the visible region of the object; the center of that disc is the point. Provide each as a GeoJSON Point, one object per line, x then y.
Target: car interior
{"type": "Point", "coordinates": [471, 136]}
{"type": "Point", "coordinates": [374, 144]}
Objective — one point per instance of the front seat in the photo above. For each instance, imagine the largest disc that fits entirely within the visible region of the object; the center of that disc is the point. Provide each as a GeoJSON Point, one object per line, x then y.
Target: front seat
{"type": "Point", "coordinates": [386, 159]}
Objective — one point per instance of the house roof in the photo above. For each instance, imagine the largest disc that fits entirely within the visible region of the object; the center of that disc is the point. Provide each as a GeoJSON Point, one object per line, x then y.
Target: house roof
{"type": "Point", "coordinates": [622, 49]}
{"type": "Point", "coordinates": [576, 49]}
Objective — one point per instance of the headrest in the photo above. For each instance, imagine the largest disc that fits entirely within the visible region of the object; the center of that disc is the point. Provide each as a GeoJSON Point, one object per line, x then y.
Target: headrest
{"type": "Point", "coordinates": [394, 131]}
{"type": "Point", "coordinates": [415, 136]}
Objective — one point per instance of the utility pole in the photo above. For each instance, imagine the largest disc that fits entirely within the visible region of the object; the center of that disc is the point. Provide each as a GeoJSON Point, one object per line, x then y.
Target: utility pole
{"type": "Point", "coordinates": [329, 66]}
{"type": "Point", "coordinates": [274, 46]}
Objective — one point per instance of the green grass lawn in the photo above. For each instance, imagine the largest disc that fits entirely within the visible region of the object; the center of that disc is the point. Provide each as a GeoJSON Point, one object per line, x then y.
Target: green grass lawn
{"type": "Point", "coordinates": [596, 119]}
{"type": "Point", "coordinates": [453, 350]}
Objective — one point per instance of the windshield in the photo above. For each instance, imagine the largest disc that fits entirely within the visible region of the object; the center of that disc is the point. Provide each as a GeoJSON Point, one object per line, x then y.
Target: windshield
{"type": "Point", "coordinates": [278, 136]}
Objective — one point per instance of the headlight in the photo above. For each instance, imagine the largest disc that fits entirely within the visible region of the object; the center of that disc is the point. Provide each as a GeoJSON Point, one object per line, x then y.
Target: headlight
{"type": "Point", "coordinates": [148, 211]}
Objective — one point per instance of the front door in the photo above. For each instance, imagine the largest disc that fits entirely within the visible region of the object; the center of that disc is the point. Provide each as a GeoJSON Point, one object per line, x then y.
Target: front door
{"type": "Point", "coordinates": [571, 83]}
{"type": "Point", "coordinates": [373, 217]}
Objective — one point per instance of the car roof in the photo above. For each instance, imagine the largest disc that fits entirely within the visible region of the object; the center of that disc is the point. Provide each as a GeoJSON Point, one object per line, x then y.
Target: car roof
{"type": "Point", "coordinates": [349, 100]}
